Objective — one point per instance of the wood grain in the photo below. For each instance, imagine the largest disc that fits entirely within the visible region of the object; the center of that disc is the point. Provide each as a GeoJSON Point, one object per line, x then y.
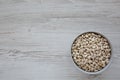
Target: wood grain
{"type": "Point", "coordinates": [36, 37]}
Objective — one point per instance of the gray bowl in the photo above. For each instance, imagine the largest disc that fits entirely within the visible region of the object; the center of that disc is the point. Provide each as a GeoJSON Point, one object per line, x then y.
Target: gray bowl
{"type": "Point", "coordinates": [97, 72]}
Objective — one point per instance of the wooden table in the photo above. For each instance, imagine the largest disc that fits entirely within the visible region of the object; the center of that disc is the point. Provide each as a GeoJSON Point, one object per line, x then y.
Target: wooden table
{"type": "Point", "coordinates": [36, 37]}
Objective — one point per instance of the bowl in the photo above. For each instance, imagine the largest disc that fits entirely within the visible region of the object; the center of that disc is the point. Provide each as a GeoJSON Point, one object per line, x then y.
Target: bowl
{"type": "Point", "coordinates": [93, 72]}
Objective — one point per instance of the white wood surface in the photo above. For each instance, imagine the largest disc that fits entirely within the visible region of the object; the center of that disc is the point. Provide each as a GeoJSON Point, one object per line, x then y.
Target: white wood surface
{"type": "Point", "coordinates": [36, 37]}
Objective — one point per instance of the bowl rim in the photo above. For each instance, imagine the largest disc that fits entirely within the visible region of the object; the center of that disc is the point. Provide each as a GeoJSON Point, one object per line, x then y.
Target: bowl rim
{"type": "Point", "coordinates": [103, 69]}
